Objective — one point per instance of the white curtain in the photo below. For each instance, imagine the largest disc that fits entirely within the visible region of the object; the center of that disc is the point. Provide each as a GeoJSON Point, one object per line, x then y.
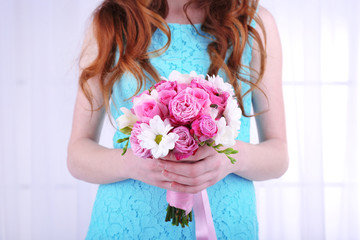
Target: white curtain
{"type": "Point", "coordinates": [316, 199]}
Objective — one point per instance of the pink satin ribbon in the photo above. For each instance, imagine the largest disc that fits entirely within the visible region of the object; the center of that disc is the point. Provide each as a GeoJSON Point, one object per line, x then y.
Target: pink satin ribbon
{"type": "Point", "coordinates": [204, 225]}
{"type": "Point", "coordinates": [185, 201]}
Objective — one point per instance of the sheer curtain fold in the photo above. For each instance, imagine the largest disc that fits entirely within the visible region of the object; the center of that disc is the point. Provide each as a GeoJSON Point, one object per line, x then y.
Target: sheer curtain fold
{"type": "Point", "coordinates": [321, 81]}
{"type": "Point", "coordinates": [316, 199]}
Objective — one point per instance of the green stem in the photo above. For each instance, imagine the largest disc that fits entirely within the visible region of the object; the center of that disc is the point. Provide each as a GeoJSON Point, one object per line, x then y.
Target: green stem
{"type": "Point", "coordinates": [177, 216]}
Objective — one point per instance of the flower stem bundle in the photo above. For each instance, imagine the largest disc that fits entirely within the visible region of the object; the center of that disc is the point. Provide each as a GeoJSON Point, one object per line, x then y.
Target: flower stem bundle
{"type": "Point", "coordinates": [178, 216]}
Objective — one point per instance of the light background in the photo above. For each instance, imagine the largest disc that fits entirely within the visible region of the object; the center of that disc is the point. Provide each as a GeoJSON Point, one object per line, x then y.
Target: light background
{"type": "Point", "coordinates": [316, 199]}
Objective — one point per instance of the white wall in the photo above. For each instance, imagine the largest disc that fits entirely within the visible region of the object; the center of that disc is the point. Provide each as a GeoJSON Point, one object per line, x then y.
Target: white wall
{"type": "Point", "coordinates": [317, 198]}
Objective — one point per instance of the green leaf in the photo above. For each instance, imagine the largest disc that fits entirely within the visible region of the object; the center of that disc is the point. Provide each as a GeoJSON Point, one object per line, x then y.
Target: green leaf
{"type": "Point", "coordinates": [196, 138]}
{"type": "Point", "coordinates": [202, 144]}
{"type": "Point", "coordinates": [126, 130]}
{"type": "Point", "coordinates": [218, 146]}
{"type": "Point", "coordinates": [210, 144]}
{"type": "Point", "coordinates": [228, 151]}
{"type": "Point", "coordinates": [233, 160]}
{"type": "Point", "coordinates": [122, 140]}
{"type": "Point", "coordinates": [125, 148]}
{"type": "Point", "coordinates": [234, 151]}
{"type": "Point", "coordinates": [151, 88]}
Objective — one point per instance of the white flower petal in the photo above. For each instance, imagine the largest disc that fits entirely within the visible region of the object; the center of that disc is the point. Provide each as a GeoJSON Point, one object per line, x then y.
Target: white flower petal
{"type": "Point", "coordinates": [180, 78]}
{"type": "Point", "coordinates": [159, 152]}
{"type": "Point", "coordinates": [149, 132]}
{"type": "Point", "coordinates": [213, 113]}
{"type": "Point", "coordinates": [148, 144]}
{"type": "Point", "coordinates": [226, 135]}
{"type": "Point", "coordinates": [168, 141]}
{"type": "Point", "coordinates": [154, 94]}
{"type": "Point", "coordinates": [220, 84]}
{"type": "Point", "coordinates": [128, 119]}
{"type": "Point", "coordinates": [233, 114]}
{"type": "Point", "coordinates": [157, 125]}
{"type": "Point", "coordinates": [174, 75]}
{"type": "Point", "coordinates": [138, 100]}
{"type": "Point", "coordinates": [193, 74]}
{"type": "Point", "coordinates": [145, 135]}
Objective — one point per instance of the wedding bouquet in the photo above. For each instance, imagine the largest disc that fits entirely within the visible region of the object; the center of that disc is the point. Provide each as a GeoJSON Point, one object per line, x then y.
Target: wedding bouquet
{"type": "Point", "coordinates": [178, 115]}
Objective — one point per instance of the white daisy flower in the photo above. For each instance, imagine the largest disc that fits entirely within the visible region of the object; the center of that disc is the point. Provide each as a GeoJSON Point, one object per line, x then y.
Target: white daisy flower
{"type": "Point", "coordinates": [156, 137]}
{"type": "Point", "coordinates": [220, 84]}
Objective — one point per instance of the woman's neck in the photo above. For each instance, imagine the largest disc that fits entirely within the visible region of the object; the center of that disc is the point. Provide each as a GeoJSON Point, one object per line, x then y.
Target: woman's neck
{"type": "Point", "coordinates": [177, 15]}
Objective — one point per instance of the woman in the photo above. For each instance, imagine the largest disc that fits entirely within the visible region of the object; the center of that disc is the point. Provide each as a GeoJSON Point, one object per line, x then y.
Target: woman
{"type": "Point", "coordinates": [130, 41]}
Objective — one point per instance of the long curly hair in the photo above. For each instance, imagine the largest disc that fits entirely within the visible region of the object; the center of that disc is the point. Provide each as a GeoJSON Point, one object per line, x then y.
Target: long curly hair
{"type": "Point", "coordinates": [128, 25]}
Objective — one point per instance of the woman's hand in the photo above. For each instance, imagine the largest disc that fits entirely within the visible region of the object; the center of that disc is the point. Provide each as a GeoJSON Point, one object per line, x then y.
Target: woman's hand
{"type": "Point", "coordinates": [197, 172]}
{"type": "Point", "coordinates": [147, 170]}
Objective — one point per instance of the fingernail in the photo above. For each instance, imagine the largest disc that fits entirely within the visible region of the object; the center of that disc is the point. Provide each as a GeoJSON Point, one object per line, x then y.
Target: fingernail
{"type": "Point", "coordinates": [165, 174]}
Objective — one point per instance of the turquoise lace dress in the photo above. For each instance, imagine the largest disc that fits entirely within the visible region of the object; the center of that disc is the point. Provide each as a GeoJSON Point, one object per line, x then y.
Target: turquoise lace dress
{"type": "Point", "coordinates": [131, 209]}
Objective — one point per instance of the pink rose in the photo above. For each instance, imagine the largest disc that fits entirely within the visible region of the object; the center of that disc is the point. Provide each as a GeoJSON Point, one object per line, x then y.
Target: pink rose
{"type": "Point", "coordinates": [184, 108]}
{"type": "Point", "coordinates": [166, 95]}
{"type": "Point", "coordinates": [186, 145]}
{"type": "Point", "coordinates": [201, 96]}
{"type": "Point", "coordinates": [166, 85]}
{"type": "Point", "coordinates": [135, 142]}
{"type": "Point", "coordinates": [182, 86]}
{"type": "Point", "coordinates": [142, 95]}
{"type": "Point", "coordinates": [149, 108]}
{"type": "Point", "coordinates": [204, 84]}
{"type": "Point", "coordinates": [204, 128]}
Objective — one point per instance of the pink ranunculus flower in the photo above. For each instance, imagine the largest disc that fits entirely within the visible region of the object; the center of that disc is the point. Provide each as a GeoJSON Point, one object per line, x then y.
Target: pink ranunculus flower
{"type": "Point", "coordinates": [182, 86]}
{"type": "Point", "coordinates": [201, 96]}
{"type": "Point", "coordinates": [198, 82]}
{"type": "Point", "coordinates": [184, 108]}
{"type": "Point", "coordinates": [166, 85]}
{"type": "Point", "coordinates": [166, 95]}
{"type": "Point", "coordinates": [204, 128]}
{"type": "Point", "coordinates": [135, 142]}
{"type": "Point", "coordinates": [186, 145]}
{"type": "Point", "coordinates": [148, 109]}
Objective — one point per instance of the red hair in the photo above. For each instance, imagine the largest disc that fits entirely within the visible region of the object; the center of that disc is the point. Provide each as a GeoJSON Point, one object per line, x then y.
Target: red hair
{"type": "Point", "coordinates": [128, 25]}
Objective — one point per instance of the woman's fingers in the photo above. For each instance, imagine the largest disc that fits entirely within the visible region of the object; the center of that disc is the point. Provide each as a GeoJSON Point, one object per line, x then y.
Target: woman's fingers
{"type": "Point", "coordinates": [189, 177]}
{"type": "Point", "coordinates": [163, 184]}
{"type": "Point", "coordinates": [191, 169]}
{"type": "Point", "coordinates": [189, 181]}
{"type": "Point", "coordinates": [185, 169]}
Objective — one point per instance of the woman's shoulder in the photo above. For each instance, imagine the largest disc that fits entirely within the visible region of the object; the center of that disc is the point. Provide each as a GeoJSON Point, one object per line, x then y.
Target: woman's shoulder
{"type": "Point", "coordinates": [266, 17]}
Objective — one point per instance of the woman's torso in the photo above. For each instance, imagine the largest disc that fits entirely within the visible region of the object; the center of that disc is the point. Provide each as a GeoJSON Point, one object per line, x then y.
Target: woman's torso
{"type": "Point", "coordinates": [131, 209]}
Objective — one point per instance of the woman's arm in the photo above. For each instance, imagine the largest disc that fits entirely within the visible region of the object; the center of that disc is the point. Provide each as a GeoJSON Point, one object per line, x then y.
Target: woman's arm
{"type": "Point", "coordinates": [269, 159]}
{"type": "Point", "coordinates": [89, 161]}
{"type": "Point", "coordinates": [266, 160]}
